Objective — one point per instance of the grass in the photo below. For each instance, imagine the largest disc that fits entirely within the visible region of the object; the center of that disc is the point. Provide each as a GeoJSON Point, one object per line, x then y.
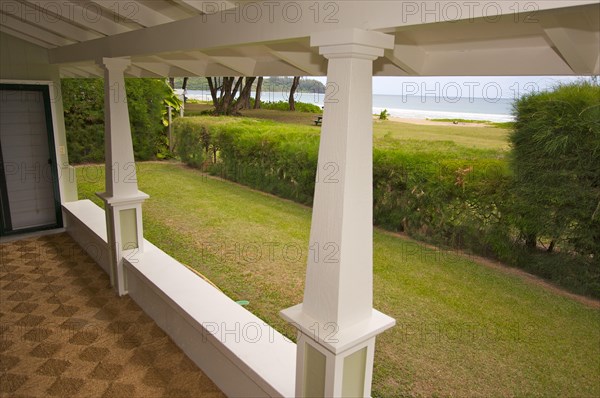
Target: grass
{"type": "Point", "coordinates": [470, 121]}
{"type": "Point", "coordinates": [463, 329]}
{"type": "Point", "coordinates": [394, 133]}
{"type": "Point", "coordinates": [386, 133]}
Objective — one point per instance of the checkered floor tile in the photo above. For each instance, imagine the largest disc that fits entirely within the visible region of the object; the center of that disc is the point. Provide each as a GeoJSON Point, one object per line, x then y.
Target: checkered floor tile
{"type": "Point", "coordinates": [64, 332]}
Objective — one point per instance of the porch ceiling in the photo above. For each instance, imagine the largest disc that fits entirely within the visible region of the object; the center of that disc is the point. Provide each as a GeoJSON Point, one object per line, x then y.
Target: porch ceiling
{"type": "Point", "coordinates": [226, 38]}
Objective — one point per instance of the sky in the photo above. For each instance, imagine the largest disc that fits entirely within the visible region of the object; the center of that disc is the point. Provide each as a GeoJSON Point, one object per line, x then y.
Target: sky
{"type": "Point", "coordinates": [476, 87]}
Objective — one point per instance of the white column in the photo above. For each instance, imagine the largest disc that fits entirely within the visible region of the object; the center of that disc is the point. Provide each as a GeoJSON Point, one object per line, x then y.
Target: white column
{"type": "Point", "coordinates": [123, 201]}
{"type": "Point", "coordinates": [336, 322]}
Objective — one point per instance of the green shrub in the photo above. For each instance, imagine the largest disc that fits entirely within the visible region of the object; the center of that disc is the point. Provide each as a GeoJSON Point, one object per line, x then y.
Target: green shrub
{"type": "Point", "coordinates": [83, 101]}
{"type": "Point", "coordinates": [438, 192]}
{"type": "Point", "coordinates": [556, 162]}
{"type": "Point", "coordinates": [449, 200]}
{"type": "Point", "coordinates": [285, 106]}
{"type": "Point", "coordinates": [188, 143]}
{"type": "Point", "coordinates": [265, 155]}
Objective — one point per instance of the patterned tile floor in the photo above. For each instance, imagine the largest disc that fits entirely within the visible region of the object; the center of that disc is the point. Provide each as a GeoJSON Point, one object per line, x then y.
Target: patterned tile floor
{"type": "Point", "coordinates": [63, 332]}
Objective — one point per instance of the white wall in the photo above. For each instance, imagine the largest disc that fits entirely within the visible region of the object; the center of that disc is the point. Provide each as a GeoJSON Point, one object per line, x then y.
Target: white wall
{"type": "Point", "coordinates": [23, 62]}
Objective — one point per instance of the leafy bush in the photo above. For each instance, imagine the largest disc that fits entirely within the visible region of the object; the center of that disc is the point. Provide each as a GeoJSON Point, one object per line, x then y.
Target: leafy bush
{"type": "Point", "coordinates": [285, 106]}
{"type": "Point", "coordinates": [83, 101]}
{"type": "Point", "coordinates": [556, 162]}
{"type": "Point", "coordinates": [188, 141]}
{"type": "Point", "coordinates": [273, 157]}
{"type": "Point", "coordinates": [384, 115]}
{"type": "Point", "coordinates": [439, 192]}
{"type": "Point", "coordinates": [449, 200]}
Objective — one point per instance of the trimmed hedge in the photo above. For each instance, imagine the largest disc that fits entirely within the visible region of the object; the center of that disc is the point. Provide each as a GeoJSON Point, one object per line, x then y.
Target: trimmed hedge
{"type": "Point", "coordinates": [446, 200]}
{"type": "Point", "coordinates": [556, 161]}
{"type": "Point", "coordinates": [273, 157]}
{"type": "Point", "coordinates": [447, 195]}
{"type": "Point", "coordinates": [285, 106]}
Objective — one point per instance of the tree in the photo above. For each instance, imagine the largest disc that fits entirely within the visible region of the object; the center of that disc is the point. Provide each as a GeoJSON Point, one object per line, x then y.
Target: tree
{"type": "Point", "coordinates": [258, 92]}
{"type": "Point", "coordinates": [223, 92]}
{"type": "Point", "coordinates": [295, 84]}
{"type": "Point", "coordinates": [184, 88]}
{"type": "Point", "coordinates": [244, 99]}
{"type": "Point", "coordinates": [556, 164]}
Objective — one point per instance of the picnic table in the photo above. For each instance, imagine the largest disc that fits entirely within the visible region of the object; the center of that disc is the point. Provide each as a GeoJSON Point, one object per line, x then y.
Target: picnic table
{"type": "Point", "coordinates": [318, 120]}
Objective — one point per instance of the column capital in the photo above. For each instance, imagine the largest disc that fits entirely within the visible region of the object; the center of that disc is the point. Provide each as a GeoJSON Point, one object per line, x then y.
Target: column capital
{"type": "Point", "coordinates": [114, 64]}
{"type": "Point", "coordinates": [352, 43]}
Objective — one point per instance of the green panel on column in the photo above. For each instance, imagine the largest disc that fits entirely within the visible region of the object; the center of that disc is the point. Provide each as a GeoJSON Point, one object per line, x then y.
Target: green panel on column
{"type": "Point", "coordinates": [353, 382]}
{"type": "Point", "coordinates": [129, 237]}
{"type": "Point", "coordinates": [314, 372]}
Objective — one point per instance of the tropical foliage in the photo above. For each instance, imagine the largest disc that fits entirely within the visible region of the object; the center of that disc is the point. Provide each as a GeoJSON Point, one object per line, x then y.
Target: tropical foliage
{"type": "Point", "coordinates": [83, 101]}
{"type": "Point", "coordinates": [556, 163]}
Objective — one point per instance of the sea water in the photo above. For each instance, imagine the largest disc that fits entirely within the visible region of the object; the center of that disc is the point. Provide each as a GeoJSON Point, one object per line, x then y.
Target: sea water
{"type": "Point", "coordinates": [407, 106]}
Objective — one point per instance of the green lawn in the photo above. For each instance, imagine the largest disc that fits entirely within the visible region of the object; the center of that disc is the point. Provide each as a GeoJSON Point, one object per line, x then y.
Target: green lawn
{"type": "Point", "coordinates": [491, 138]}
{"type": "Point", "coordinates": [463, 329]}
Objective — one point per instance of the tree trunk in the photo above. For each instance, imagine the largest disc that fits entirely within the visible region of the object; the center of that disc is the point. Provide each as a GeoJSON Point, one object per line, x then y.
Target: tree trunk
{"type": "Point", "coordinates": [223, 96]}
{"type": "Point", "coordinates": [531, 241]}
{"type": "Point", "coordinates": [295, 84]}
{"type": "Point", "coordinates": [243, 101]}
{"type": "Point", "coordinates": [170, 118]}
{"type": "Point", "coordinates": [258, 92]}
{"type": "Point", "coordinates": [213, 90]}
{"type": "Point", "coordinates": [184, 88]}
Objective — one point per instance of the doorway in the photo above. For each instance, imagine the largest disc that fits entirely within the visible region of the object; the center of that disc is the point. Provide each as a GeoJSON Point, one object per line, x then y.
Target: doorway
{"type": "Point", "coordinates": [29, 197]}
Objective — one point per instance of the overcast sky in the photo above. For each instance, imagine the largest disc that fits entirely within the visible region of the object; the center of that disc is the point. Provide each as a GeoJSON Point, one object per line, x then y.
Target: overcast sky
{"type": "Point", "coordinates": [478, 87]}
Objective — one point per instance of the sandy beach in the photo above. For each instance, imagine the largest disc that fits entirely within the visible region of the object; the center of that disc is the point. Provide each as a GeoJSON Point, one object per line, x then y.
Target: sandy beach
{"type": "Point", "coordinates": [425, 122]}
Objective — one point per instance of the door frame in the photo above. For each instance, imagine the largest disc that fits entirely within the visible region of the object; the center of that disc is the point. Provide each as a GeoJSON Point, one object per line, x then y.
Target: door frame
{"type": "Point", "coordinates": [44, 88]}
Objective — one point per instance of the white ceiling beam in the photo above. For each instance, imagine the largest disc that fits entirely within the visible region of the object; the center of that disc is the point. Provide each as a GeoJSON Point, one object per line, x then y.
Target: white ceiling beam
{"type": "Point", "coordinates": [130, 11]}
{"type": "Point", "coordinates": [34, 31]}
{"type": "Point", "coordinates": [274, 68]}
{"type": "Point", "coordinates": [81, 72]}
{"type": "Point", "coordinates": [215, 69]}
{"type": "Point", "coordinates": [190, 67]}
{"type": "Point", "coordinates": [138, 71]}
{"type": "Point", "coordinates": [208, 7]}
{"type": "Point", "coordinates": [78, 73]}
{"type": "Point", "coordinates": [91, 70]}
{"type": "Point", "coordinates": [579, 48]}
{"type": "Point", "coordinates": [174, 70]}
{"type": "Point", "coordinates": [496, 62]}
{"type": "Point", "coordinates": [209, 31]}
{"type": "Point", "coordinates": [33, 14]}
{"type": "Point", "coordinates": [409, 57]}
{"type": "Point", "coordinates": [85, 16]}
{"type": "Point", "coordinates": [241, 64]}
{"type": "Point", "coordinates": [156, 68]}
{"type": "Point", "coordinates": [134, 71]}
{"type": "Point", "coordinates": [301, 58]}
{"type": "Point", "coordinates": [66, 73]}
{"type": "Point", "coordinates": [25, 37]}
{"type": "Point", "coordinates": [382, 67]}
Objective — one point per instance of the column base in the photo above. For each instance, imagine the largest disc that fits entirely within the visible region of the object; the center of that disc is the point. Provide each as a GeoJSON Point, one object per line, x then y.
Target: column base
{"type": "Point", "coordinates": [139, 197]}
{"type": "Point", "coordinates": [328, 335]}
{"type": "Point", "coordinates": [124, 232]}
{"type": "Point", "coordinates": [332, 362]}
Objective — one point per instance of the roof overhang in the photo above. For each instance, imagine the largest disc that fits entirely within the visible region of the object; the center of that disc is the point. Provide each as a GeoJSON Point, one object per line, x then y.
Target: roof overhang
{"type": "Point", "coordinates": [220, 38]}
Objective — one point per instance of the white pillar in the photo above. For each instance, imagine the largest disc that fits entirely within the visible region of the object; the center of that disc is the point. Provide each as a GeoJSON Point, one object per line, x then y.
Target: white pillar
{"type": "Point", "coordinates": [336, 322]}
{"type": "Point", "coordinates": [123, 201]}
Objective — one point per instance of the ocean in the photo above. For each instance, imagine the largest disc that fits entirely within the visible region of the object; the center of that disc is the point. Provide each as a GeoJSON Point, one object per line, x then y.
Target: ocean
{"type": "Point", "coordinates": [409, 106]}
